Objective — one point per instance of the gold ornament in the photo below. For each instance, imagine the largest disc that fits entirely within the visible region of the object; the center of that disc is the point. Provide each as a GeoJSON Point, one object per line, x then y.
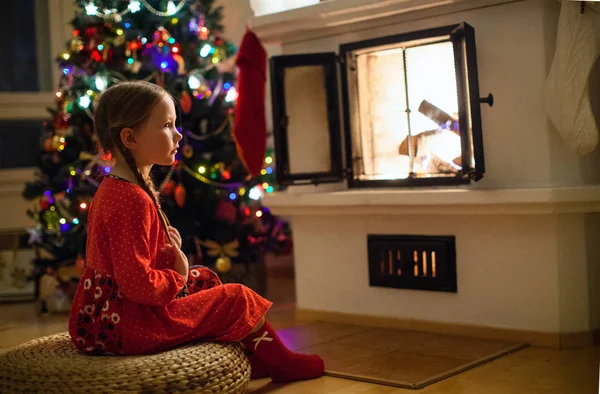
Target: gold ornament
{"type": "Point", "coordinates": [223, 264]}
{"type": "Point", "coordinates": [56, 141]}
{"type": "Point", "coordinates": [187, 151]}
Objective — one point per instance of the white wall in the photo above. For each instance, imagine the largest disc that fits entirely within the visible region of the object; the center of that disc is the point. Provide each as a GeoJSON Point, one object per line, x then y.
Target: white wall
{"type": "Point", "coordinates": [526, 272]}
{"type": "Point", "coordinates": [502, 272]}
{"type": "Point", "coordinates": [515, 46]}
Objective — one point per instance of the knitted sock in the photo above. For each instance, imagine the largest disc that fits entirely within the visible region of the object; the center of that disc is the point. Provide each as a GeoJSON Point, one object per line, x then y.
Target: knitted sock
{"type": "Point", "coordinates": [258, 368]}
{"type": "Point", "coordinates": [283, 364]}
{"type": "Point", "coordinates": [567, 91]}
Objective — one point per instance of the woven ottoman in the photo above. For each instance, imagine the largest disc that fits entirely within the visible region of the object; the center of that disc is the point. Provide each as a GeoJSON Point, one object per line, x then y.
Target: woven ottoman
{"type": "Point", "coordinates": [52, 364]}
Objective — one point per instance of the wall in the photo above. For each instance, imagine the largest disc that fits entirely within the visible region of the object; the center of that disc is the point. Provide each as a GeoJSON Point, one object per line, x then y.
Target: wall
{"type": "Point", "coordinates": [515, 46]}
{"type": "Point", "coordinates": [507, 274]}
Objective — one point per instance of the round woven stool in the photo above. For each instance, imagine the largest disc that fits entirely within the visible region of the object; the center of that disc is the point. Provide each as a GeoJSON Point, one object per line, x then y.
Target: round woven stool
{"type": "Point", "coordinates": [52, 364]}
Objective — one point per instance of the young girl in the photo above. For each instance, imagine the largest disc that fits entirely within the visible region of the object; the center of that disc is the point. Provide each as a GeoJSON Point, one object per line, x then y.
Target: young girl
{"type": "Point", "coordinates": [129, 299]}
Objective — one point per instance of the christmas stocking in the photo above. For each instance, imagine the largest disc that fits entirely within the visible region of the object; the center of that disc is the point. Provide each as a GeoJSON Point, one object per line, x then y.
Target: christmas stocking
{"type": "Point", "coordinates": [250, 127]}
{"type": "Point", "coordinates": [283, 364]}
{"type": "Point", "coordinates": [567, 97]}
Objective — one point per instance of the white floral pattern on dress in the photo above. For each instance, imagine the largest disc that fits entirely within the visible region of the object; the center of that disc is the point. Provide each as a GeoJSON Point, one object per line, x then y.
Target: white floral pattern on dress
{"type": "Point", "coordinates": [115, 318]}
{"type": "Point", "coordinates": [98, 292]}
{"type": "Point", "coordinates": [87, 284]}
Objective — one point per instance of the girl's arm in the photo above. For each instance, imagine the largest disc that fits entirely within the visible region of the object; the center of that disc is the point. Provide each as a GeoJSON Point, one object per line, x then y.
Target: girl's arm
{"type": "Point", "coordinates": [131, 254]}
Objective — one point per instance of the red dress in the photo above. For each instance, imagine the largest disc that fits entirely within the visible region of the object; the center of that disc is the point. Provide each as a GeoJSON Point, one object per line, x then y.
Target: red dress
{"type": "Point", "coordinates": [126, 299]}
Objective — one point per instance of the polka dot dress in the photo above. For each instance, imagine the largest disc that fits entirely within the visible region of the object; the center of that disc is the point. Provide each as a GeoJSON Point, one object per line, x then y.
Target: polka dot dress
{"type": "Point", "coordinates": [126, 299]}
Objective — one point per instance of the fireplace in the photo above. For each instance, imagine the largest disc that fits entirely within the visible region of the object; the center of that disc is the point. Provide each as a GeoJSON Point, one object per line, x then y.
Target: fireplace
{"type": "Point", "coordinates": [389, 170]}
{"type": "Point", "coordinates": [410, 104]}
{"type": "Point", "coordinates": [412, 262]}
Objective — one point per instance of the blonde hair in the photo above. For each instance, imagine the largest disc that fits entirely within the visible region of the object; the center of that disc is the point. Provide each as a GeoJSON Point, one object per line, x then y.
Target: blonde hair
{"type": "Point", "coordinates": [127, 104]}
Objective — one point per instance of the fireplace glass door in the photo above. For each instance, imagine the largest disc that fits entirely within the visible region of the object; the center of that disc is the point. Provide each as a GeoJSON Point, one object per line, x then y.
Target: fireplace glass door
{"type": "Point", "coordinates": [411, 112]}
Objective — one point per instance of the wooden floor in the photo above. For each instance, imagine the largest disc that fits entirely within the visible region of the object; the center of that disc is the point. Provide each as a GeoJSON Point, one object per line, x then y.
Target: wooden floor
{"type": "Point", "coordinates": [529, 371]}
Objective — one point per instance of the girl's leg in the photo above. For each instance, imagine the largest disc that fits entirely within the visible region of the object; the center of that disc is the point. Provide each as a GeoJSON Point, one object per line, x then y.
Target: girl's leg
{"type": "Point", "coordinates": [258, 368]}
{"type": "Point", "coordinates": [283, 364]}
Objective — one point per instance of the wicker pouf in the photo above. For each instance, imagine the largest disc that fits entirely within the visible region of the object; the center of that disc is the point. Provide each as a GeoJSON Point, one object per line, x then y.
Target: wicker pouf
{"type": "Point", "coordinates": [52, 364]}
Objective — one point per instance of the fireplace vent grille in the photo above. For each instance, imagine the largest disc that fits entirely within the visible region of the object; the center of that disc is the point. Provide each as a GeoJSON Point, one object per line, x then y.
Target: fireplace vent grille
{"type": "Point", "coordinates": [413, 262]}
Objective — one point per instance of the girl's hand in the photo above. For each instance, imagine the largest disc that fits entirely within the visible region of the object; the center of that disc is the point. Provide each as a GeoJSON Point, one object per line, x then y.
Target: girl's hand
{"type": "Point", "coordinates": [181, 264]}
{"type": "Point", "coordinates": [175, 236]}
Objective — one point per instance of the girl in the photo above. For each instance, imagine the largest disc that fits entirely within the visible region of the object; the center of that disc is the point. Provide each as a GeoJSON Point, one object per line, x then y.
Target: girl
{"type": "Point", "coordinates": [130, 299]}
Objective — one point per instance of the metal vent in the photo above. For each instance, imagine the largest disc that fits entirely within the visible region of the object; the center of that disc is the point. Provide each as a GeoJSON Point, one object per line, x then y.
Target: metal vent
{"type": "Point", "coordinates": [413, 262]}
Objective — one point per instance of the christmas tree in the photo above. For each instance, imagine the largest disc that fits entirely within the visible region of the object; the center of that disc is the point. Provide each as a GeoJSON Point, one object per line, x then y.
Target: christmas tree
{"type": "Point", "coordinates": [207, 194]}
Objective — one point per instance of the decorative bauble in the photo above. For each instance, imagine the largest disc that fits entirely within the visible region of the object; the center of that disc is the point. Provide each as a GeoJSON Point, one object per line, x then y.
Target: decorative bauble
{"type": "Point", "coordinates": [44, 203]}
{"type": "Point", "coordinates": [169, 188]}
{"type": "Point", "coordinates": [186, 102]}
{"type": "Point", "coordinates": [48, 146]}
{"type": "Point", "coordinates": [226, 211]}
{"type": "Point", "coordinates": [52, 218]}
{"type": "Point", "coordinates": [223, 264]}
{"type": "Point", "coordinates": [180, 193]}
{"type": "Point", "coordinates": [80, 263]}
{"type": "Point", "coordinates": [187, 151]}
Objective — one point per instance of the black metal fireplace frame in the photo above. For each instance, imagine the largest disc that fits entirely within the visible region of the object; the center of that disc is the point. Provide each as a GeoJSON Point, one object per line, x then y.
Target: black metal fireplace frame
{"type": "Point", "coordinates": [341, 168]}
{"type": "Point", "coordinates": [444, 247]}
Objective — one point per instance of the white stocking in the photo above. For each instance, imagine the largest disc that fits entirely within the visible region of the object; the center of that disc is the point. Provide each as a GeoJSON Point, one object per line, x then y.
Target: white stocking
{"type": "Point", "coordinates": [567, 96]}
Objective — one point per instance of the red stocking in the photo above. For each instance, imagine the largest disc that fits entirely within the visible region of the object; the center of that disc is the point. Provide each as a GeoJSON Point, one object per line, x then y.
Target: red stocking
{"type": "Point", "coordinates": [284, 365]}
{"type": "Point", "coordinates": [250, 127]}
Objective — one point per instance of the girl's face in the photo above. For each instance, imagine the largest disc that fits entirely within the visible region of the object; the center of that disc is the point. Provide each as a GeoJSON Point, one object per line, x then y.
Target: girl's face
{"type": "Point", "coordinates": [157, 140]}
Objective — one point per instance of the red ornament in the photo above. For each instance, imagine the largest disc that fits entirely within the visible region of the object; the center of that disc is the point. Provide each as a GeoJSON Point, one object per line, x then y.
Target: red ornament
{"type": "Point", "coordinates": [48, 145]}
{"type": "Point", "coordinates": [62, 121]}
{"type": "Point", "coordinates": [226, 211]}
{"type": "Point", "coordinates": [226, 175]}
{"type": "Point", "coordinates": [80, 264]}
{"type": "Point", "coordinates": [186, 102]}
{"type": "Point", "coordinates": [180, 193]}
{"type": "Point", "coordinates": [107, 156]}
{"type": "Point", "coordinates": [96, 56]}
{"type": "Point", "coordinates": [169, 188]}
{"type": "Point", "coordinates": [91, 31]}
{"type": "Point", "coordinates": [75, 33]}
{"type": "Point", "coordinates": [44, 204]}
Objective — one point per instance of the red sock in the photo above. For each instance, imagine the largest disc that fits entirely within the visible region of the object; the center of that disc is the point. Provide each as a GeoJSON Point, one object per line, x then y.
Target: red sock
{"type": "Point", "coordinates": [258, 368]}
{"type": "Point", "coordinates": [284, 365]}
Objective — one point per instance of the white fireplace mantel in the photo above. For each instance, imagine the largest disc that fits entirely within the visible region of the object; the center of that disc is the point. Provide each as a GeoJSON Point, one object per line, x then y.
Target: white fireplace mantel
{"type": "Point", "coordinates": [321, 18]}
{"type": "Point", "coordinates": [439, 201]}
